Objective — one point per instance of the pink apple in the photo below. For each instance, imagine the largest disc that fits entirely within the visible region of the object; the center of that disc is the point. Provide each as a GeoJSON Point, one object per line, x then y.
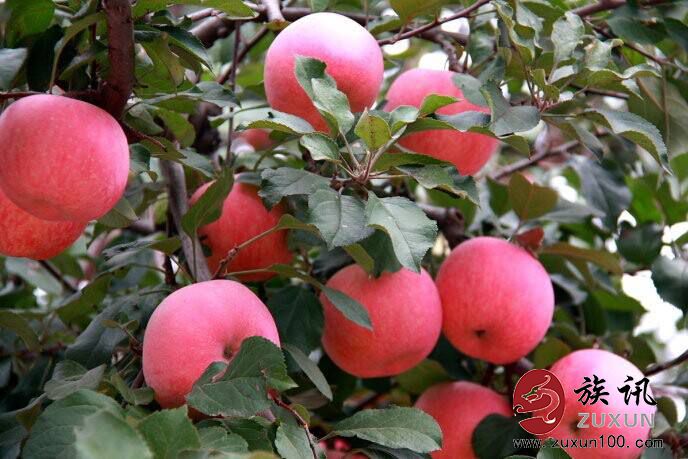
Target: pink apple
{"type": "Point", "coordinates": [243, 217]}
{"type": "Point", "coordinates": [352, 55]}
{"type": "Point", "coordinates": [62, 159]}
{"type": "Point", "coordinates": [196, 326]}
{"type": "Point", "coordinates": [497, 300]}
{"type": "Point", "coordinates": [259, 139]}
{"type": "Point", "coordinates": [23, 235]}
{"type": "Point", "coordinates": [571, 371]}
{"type": "Point", "coordinates": [406, 314]}
{"type": "Point", "coordinates": [468, 151]}
{"type": "Point", "coordinates": [458, 408]}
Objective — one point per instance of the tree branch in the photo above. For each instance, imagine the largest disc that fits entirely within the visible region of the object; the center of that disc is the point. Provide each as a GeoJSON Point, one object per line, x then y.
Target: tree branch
{"type": "Point", "coordinates": [178, 203]}
{"type": "Point", "coordinates": [58, 276]}
{"type": "Point", "coordinates": [608, 5]}
{"type": "Point", "coordinates": [273, 9]}
{"type": "Point", "coordinates": [659, 367]}
{"type": "Point", "coordinates": [119, 83]}
{"type": "Point", "coordinates": [536, 158]}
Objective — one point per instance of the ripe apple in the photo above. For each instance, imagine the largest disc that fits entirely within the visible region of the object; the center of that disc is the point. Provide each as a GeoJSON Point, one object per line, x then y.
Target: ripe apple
{"type": "Point", "coordinates": [571, 371]}
{"type": "Point", "coordinates": [468, 151]}
{"type": "Point", "coordinates": [259, 139]}
{"type": "Point", "coordinates": [23, 235]}
{"type": "Point", "coordinates": [458, 408]}
{"type": "Point", "coordinates": [243, 217]}
{"type": "Point", "coordinates": [352, 55]}
{"type": "Point", "coordinates": [497, 300]}
{"type": "Point", "coordinates": [62, 159]}
{"type": "Point", "coordinates": [196, 326]}
{"type": "Point", "coordinates": [406, 314]}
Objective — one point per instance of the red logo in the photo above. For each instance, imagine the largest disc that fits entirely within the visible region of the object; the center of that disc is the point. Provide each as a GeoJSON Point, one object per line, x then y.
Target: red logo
{"type": "Point", "coordinates": [540, 393]}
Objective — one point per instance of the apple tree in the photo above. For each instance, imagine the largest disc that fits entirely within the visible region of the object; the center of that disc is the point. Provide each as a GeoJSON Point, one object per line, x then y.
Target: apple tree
{"type": "Point", "coordinates": [341, 228]}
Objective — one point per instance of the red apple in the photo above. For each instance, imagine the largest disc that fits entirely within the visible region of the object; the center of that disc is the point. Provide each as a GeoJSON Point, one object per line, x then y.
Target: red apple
{"type": "Point", "coordinates": [468, 151]}
{"type": "Point", "coordinates": [458, 408]}
{"type": "Point", "coordinates": [352, 55]}
{"type": "Point", "coordinates": [243, 217]}
{"type": "Point", "coordinates": [259, 139]}
{"type": "Point", "coordinates": [62, 159]}
{"type": "Point", "coordinates": [406, 314]}
{"type": "Point", "coordinates": [196, 326]}
{"type": "Point", "coordinates": [571, 371]}
{"type": "Point", "coordinates": [497, 300]}
{"type": "Point", "coordinates": [23, 235]}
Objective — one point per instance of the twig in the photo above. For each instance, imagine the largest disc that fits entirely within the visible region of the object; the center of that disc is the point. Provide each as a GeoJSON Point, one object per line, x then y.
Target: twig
{"type": "Point", "coordinates": [232, 86]}
{"type": "Point", "coordinates": [536, 158]}
{"type": "Point", "coordinates": [224, 76]}
{"type": "Point", "coordinates": [178, 204]}
{"type": "Point", "coordinates": [17, 95]}
{"type": "Point", "coordinates": [233, 253]}
{"type": "Point", "coordinates": [274, 11]}
{"type": "Point", "coordinates": [302, 422]}
{"type": "Point", "coordinates": [635, 48]}
{"type": "Point", "coordinates": [58, 276]}
{"type": "Point", "coordinates": [607, 5]}
{"type": "Point", "coordinates": [659, 367]}
{"type": "Point", "coordinates": [120, 80]}
{"type": "Point", "coordinates": [437, 22]}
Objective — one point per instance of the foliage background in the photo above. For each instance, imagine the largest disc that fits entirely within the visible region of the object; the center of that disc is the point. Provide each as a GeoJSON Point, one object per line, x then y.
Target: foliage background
{"type": "Point", "coordinates": [588, 98]}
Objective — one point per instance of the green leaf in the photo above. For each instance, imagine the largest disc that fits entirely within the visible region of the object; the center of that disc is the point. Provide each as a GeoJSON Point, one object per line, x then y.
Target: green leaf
{"type": "Point", "coordinates": [27, 17]}
{"type": "Point", "coordinates": [166, 245]}
{"type": "Point", "coordinates": [599, 53]}
{"type": "Point", "coordinates": [186, 41]}
{"type": "Point", "coordinates": [671, 279]}
{"type": "Point", "coordinates": [259, 357]}
{"type": "Point", "coordinates": [105, 435]}
{"type": "Point", "coordinates": [164, 71]}
{"type": "Point", "coordinates": [470, 88]}
{"type": "Point", "coordinates": [53, 434]}
{"type": "Point", "coordinates": [287, 181]}
{"type": "Point", "coordinates": [311, 369]}
{"type": "Point", "coordinates": [374, 130]}
{"type": "Point", "coordinates": [79, 306]}
{"type": "Point", "coordinates": [234, 9]}
{"type": "Point", "coordinates": [281, 122]}
{"type": "Point", "coordinates": [567, 32]}
{"type": "Point", "coordinates": [298, 315]}
{"type": "Point", "coordinates": [33, 274]}
{"type": "Point", "coordinates": [71, 32]}
{"type": "Point", "coordinates": [292, 442]}
{"type": "Point", "coordinates": [69, 376]}
{"type": "Point", "coordinates": [187, 101]}
{"type": "Point", "coordinates": [394, 427]}
{"type": "Point", "coordinates": [340, 218]}
{"type": "Point", "coordinates": [20, 326]}
{"type": "Point", "coordinates": [352, 309]}
{"type": "Point", "coordinates": [604, 76]}
{"type": "Point", "coordinates": [11, 62]}
{"type": "Point", "coordinates": [507, 119]}
{"type": "Point", "coordinates": [529, 200]}
{"type": "Point", "coordinates": [178, 126]}
{"type": "Point", "coordinates": [139, 396]}
{"type": "Point", "coordinates": [427, 373]}
{"type": "Point", "coordinates": [242, 397]}
{"type": "Point", "coordinates": [332, 104]}
{"type": "Point", "coordinates": [168, 432]}
{"type": "Point", "coordinates": [604, 188]}
{"type": "Point", "coordinates": [494, 435]}
{"type": "Point", "coordinates": [411, 231]}
{"type": "Point", "coordinates": [499, 197]}
{"type": "Point", "coordinates": [219, 439]}
{"type": "Point", "coordinates": [635, 129]}
{"type": "Point", "coordinates": [121, 216]}
{"type": "Point", "coordinates": [409, 9]}
{"type": "Point", "coordinates": [208, 208]}
{"type": "Point", "coordinates": [320, 147]}
{"type": "Point", "coordinates": [640, 244]}
{"type": "Point", "coordinates": [603, 259]}
{"type": "Point", "coordinates": [434, 102]}
{"type": "Point", "coordinates": [549, 351]}
{"type": "Point", "coordinates": [402, 116]}
{"type": "Point", "coordinates": [446, 178]}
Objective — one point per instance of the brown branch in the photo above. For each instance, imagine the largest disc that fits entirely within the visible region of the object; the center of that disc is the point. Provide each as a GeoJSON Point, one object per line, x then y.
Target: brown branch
{"type": "Point", "coordinates": [178, 204]}
{"type": "Point", "coordinates": [119, 83]}
{"type": "Point", "coordinates": [17, 95]}
{"type": "Point", "coordinates": [273, 9]}
{"type": "Point", "coordinates": [534, 159]}
{"type": "Point", "coordinates": [58, 276]}
{"type": "Point", "coordinates": [637, 49]}
{"type": "Point", "coordinates": [659, 367]}
{"type": "Point", "coordinates": [437, 22]}
{"type": "Point", "coordinates": [302, 422]}
{"type": "Point", "coordinates": [227, 73]}
{"type": "Point", "coordinates": [608, 5]}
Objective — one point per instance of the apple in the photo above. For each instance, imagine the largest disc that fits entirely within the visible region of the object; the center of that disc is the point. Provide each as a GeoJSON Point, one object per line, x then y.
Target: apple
{"type": "Point", "coordinates": [259, 139]}
{"type": "Point", "coordinates": [196, 326]}
{"type": "Point", "coordinates": [243, 217]}
{"type": "Point", "coordinates": [23, 235]}
{"type": "Point", "coordinates": [497, 300]}
{"type": "Point", "coordinates": [406, 315]}
{"type": "Point", "coordinates": [468, 151]}
{"type": "Point", "coordinates": [571, 371]}
{"type": "Point", "coordinates": [352, 55]}
{"type": "Point", "coordinates": [62, 159]}
{"type": "Point", "coordinates": [458, 408]}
